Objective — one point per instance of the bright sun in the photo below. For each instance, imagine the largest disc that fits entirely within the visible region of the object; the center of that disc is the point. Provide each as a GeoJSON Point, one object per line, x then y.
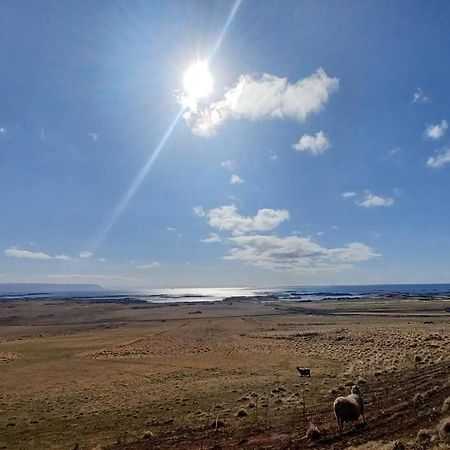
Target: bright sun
{"type": "Point", "coordinates": [198, 81]}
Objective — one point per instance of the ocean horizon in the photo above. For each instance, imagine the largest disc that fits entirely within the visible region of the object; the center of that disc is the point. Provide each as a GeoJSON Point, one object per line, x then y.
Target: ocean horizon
{"type": "Point", "coordinates": [208, 294]}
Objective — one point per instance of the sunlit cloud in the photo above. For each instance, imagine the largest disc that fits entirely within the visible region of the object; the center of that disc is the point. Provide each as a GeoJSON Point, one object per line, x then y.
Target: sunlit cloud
{"type": "Point", "coordinates": [369, 200]}
{"type": "Point", "coordinates": [440, 160]}
{"type": "Point", "coordinates": [227, 218]}
{"type": "Point", "coordinates": [268, 97]}
{"type": "Point", "coordinates": [296, 253]}
{"type": "Point", "coordinates": [236, 179]}
{"type": "Point", "coordinates": [299, 254]}
{"type": "Point", "coordinates": [314, 144]}
{"type": "Point", "coordinates": [372, 201]}
{"type": "Point", "coordinates": [3, 130]}
{"type": "Point", "coordinates": [436, 131]}
{"type": "Point", "coordinates": [15, 252]}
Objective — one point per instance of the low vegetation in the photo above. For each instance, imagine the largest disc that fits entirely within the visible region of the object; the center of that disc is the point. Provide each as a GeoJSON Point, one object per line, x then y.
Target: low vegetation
{"type": "Point", "coordinates": [120, 377]}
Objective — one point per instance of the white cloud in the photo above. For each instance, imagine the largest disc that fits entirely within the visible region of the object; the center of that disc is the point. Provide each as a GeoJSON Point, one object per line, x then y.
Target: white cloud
{"type": "Point", "coordinates": [3, 130]}
{"type": "Point", "coordinates": [236, 179]}
{"type": "Point", "coordinates": [211, 239]}
{"type": "Point", "coordinates": [16, 252]}
{"type": "Point", "coordinates": [420, 96]}
{"type": "Point", "coordinates": [199, 211]}
{"type": "Point", "coordinates": [371, 200]}
{"type": "Point", "coordinates": [300, 254]}
{"type": "Point", "coordinates": [228, 164]}
{"type": "Point", "coordinates": [93, 136]}
{"type": "Point", "coordinates": [63, 257]}
{"type": "Point", "coordinates": [227, 218]}
{"type": "Point", "coordinates": [439, 160]}
{"type": "Point", "coordinates": [348, 194]}
{"type": "Point", "coordinates": [171, 229]}
{"type": "Point", "coordinates": [85, 254]}
{"type": "Point", "coordinates": [273, 156]}
{"type": "Point", "coordinates": [315, 144]}
{"type": "Point", "coordinates": [269, 97]}
{"type": "Point", "coordinates": [436, 131]}
{"type": "Point", "coordinates": [150, 265]}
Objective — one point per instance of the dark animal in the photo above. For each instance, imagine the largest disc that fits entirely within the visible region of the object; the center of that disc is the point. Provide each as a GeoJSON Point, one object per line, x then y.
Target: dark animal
{"type": "Point", "coordinates": [304, 371]}
{"type": "Point", "coordinates": [349, 408]}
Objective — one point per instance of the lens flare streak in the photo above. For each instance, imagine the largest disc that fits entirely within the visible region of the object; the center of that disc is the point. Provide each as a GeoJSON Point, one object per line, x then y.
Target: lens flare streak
{"type": "Point", "coordinates": [129, 194]}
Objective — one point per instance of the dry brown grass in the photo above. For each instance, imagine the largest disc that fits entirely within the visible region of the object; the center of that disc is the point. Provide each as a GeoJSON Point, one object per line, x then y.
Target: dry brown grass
{"type": "Point", "coordinates": [95, 374]}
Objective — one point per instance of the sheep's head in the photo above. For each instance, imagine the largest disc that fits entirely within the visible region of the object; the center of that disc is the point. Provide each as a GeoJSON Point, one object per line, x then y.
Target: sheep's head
{"type": "Point", "coordinates": [356, 390]}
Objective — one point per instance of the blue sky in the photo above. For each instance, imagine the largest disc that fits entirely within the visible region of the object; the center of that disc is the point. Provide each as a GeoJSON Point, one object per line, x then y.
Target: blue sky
{"type": "Point", "coordinates": [320, 156]}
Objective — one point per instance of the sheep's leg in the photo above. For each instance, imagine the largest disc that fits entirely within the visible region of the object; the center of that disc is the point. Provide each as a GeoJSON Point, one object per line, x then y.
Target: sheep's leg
{"type": "Point", "coordinates": [364, 419]}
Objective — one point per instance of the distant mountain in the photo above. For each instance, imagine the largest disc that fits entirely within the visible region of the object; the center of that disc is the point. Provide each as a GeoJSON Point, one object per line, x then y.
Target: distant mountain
{"type": "Point", "coordinates": [46, 288]}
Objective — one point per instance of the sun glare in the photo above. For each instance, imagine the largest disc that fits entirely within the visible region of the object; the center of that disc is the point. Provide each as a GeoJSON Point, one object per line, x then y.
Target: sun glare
{"type": "Point", "coordinates": [198, 81]}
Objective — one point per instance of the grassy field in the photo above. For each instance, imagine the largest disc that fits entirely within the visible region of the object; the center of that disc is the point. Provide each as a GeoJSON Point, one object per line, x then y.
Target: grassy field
{"type": "Point", "coordinates": [222, 374]}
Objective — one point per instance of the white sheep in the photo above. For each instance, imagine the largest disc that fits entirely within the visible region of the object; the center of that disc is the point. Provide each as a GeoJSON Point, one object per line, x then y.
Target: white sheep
{"type": "Point", "coordinates": [349, 408]}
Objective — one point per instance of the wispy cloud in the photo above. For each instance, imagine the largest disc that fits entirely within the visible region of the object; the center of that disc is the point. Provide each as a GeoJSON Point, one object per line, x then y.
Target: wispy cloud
{"type": "Point", "coordinates": [85, 254]}
{"type": "Point", "coordinates": [269, 97]}
{"type": "Point", "coordinates": [93, 136]}
{"type": "Point", "coordinates": [273, 156]}
{"type": "Point", "coordinates": [150, 265]}
{"type": "Point", "coordinates": [199, 211]}
{"type": "Point", "coordinates": [420, 96]}
{"type": "Point", "coordinates": [15, 252]}
{"type": "Point", "coordinates": [236, 179]}
{"type": "Point", "coordinates": [392, 153]}
{"type": "Point", "coordinates": [436, 131]}
{"type": "Point", "coordinates": [441, 159]}
{"type": "Point", "coordinates": [227, 218]}
{"type": "Point", "coordinates": [211, 239]}
{"type": "Point", "coordinates": [3, 131]}
{"type": "Point", "coordinates": [315, 144]}
{"type": "Point", "coordinates": [63, 257]}
{"type": "Point", "coordinates": [369, 200]}
{"type": "Point", "coordinates": [228, 164]}
{"type": "Point", "coordinates": [372, 201]}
